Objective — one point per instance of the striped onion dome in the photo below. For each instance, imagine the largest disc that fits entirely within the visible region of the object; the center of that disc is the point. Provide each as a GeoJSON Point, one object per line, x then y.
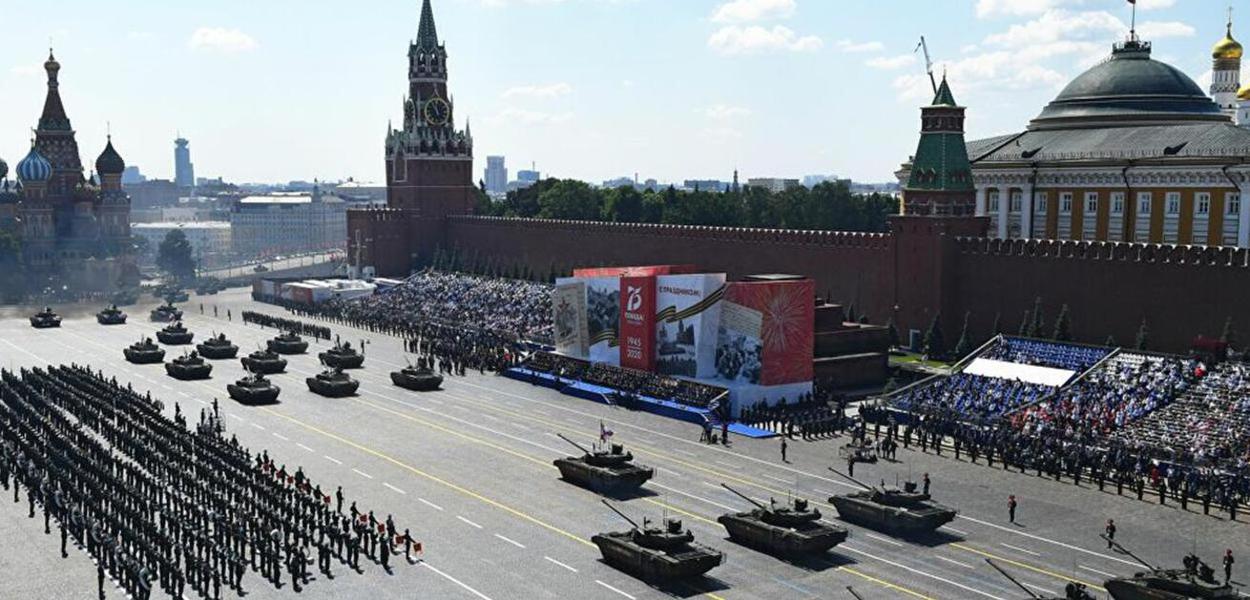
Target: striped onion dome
{"type": "Point", "coordinates": [34, 167]}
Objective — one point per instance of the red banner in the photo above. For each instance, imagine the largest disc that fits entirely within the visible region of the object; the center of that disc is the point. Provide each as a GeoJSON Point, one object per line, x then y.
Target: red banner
{"type": "Point", "coordinates": [635, 271]}
{"type": "Point", "coordinates": [785, 313]}
{"type": "Point", "coordinates": [637, 325]}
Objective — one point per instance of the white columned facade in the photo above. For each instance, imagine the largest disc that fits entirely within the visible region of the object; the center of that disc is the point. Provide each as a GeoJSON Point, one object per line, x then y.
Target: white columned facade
{"type": "Point", "coordinates": [980, 201]}
{"type": "Point", "coordinates": [1004, 206]}
{"type": "Point", "coordinates": [1026, 211]}
{"type": "Point", "coordinates": [1243, 212]}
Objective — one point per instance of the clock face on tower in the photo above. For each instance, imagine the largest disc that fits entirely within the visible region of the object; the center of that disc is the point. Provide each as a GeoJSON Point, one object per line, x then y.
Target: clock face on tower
{"type": "Point", "coordinates": [437, 112]}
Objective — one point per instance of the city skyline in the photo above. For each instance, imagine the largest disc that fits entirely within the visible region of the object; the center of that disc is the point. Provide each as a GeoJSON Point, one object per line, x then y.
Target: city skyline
{"type": "Point", "coordinates": [760, 85]}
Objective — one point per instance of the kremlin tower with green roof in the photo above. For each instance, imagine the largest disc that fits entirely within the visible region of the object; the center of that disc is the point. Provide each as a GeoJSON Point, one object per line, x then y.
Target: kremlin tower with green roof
{"type": "Point", "coordinates": [940, 183]}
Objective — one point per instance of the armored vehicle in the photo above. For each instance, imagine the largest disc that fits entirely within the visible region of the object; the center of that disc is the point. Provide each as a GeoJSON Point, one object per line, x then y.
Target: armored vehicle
{"type": "Point", "coordinates": [144, 352]}
{"type": "Point", "coordinates": [1195, 581]}
{"type": "Point", "coordinates": [792, 530]}
{"type": "Point", "coordinates": [188, 367]}
{"type": "Point", "coordinates": [333, 383]}
{"type": "Point", "coordinates": [889, 509]}
{"type": "Point", "coordinates": [656, 553]}
{"type": "Point", "coordinates": [175, 334]}
{"type": "Point", "coordinates": [287, 343]}
{"type": "Point", "coordinates": [608, 471]}
{"type": "Point", "coordinates": [265, 362]}
{"type": "Point", "coordinates": [1072, 591]}
{"type": "Point", "coordinates": [416, 379]}
{"type": "Point", "coordinates": [111, 316]}
{"type": "Point", "coordinates": [342, 356]}
{"type": "Point", "coordinates": [254, 389]}
{"type": "Point", "coordinates": [217, 347]}
{"type": "Point", "coordinates": [165, 313]}
{"type": "Point", "coordinates": [45, 319]}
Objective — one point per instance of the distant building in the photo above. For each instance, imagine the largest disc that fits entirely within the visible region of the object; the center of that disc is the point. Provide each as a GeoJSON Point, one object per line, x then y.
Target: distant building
{"type": "Point", "coordinates": [361, 193]}
{"type": "Point", "coordinates": [773, 184]}
{"type": "Point", "coordinates": [288, 223]}
{"type": "Point", "coordinates": [705, 185]}
{"type": "Point", "coordinates": [184, 171]}
{"type": "Point", "coordinates": [528, 175]}
{"type": "Point", "coordinates": [496, 175]}
{"type": "Point", "coordinates": [612, 184]}
{"type": "Point", "coordinates": [132, 175]}
{"type": "Point", "coordinates": [210, 240]}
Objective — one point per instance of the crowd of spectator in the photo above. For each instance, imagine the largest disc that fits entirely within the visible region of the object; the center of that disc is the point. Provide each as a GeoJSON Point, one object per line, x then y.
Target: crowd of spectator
{"type": "Point", "coordinates": [1208, 424]}
{"type": "Point", "coordinates": [628, 381]}
{"type": "Point", "coordinates": [975, 397]}
{"type": "Point", "coordinates": [1044, 353]}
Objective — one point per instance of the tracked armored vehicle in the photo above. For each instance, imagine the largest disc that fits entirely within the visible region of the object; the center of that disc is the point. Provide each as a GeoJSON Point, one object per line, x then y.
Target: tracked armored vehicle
{"type": "Point", "coordinates": [111, 316]}
{"type": "Point", "coordinates": [165, 313]}
{"type": "Point", "coordinates": [892, 510]}
{"type": "Point", "coordinates": [417, 379]}
{"type": "Point", "coordinates": [342, 356]}
{"type": "Point", "coordinates": [254, 389]}
{"type": "Point", "coordinates": [1072, 591]}
{"type": "Point", "coordinates": [144, 352]}
{"type": "Point", "coordinates": [265, 362]}
{"type": "Point", "coordinates": [287, 343]}
{"type": "Point", "coordinates": [1195, 581]}
{"type": "Point", "coordinates": [175, 334]}
{"type": "Point", "coordinates": [333, 383]}
{"type": "Point", "coordinates": [45, 319]}
{"type": "Point", "coordinates": [217, 347]}
{"type": "Point", "coordinates": [656, 553]}
{"type": "Point", "coordinates": [792, 531]}
{"type": "Point", "coordinates": [188, 367]}
{"type": "Point", "coordinates": [608, 471]}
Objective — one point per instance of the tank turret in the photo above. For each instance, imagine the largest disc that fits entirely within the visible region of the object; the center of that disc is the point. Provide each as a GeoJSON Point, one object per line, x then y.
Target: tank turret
{"type": "Point", "coordinates": [333, 383]}
{"type": "Point", "coordinates": [165, 313]}
{"type": "Point", "coordinates": [892, 510]}
{"type": "Point", "coordinates": [175, 334]}
{"type": "Point", "coordinates": [342, 356]}
{"type": "Point", "coordinates": [656, 553]}
{"type": "Point", "coordinates": [792, 530]}
{"type": "Point", "coordinates": [417, 379]}
{"type": "Point", "coordinates": [609, 471]}
{"type": "Point", "coordinates": [254, 389]}
{"type": "Point", "coordinates": [45, 319]}
{"type": "Point", "coordinates": [287, 343]}
{"type": "Point", "coordinates": [144, 352]}
{"type": "Point", "coordinates": [111, 316]}
{"type": "Point", "coordinates": [266, 362]}
{"type": "Point", "coordinates": [217, 347]}
{"type": "Point", "coordinates": [188, 367]}
{"type": "Point", "coordinates": [1195, 580]}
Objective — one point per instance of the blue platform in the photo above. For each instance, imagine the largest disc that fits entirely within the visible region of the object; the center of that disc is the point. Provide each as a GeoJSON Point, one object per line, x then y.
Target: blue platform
{"type": "Point", "coordinates": [600, 394]}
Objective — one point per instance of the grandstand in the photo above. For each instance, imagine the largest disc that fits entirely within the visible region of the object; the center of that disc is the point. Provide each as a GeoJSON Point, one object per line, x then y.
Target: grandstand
{"type": "Point", "coordinates": [1208, 423]}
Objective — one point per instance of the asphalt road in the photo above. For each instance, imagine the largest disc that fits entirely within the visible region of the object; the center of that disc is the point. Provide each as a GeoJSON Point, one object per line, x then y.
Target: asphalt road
{"type": "Point", "coordinates": [468, 469]}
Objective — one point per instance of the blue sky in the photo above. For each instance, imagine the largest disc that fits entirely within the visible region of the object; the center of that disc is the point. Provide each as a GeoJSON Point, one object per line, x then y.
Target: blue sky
{"type": "Point", "coordinates": [273, 90]}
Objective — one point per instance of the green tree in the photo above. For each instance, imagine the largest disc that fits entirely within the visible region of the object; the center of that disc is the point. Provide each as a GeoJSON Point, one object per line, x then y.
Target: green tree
{"type": "Point", "coordinates": [934, 340]}
{"type": "Point", "coordinates": [1143, 336]}
{"type": "Point", "coordinates": [997, 327]}
{"type": "Point", "coordinates": [1229, 336]}
{"type": "Point", "coordinates": [175, 256]}
{"type": "Point", "coordinates": [964, 345]}
{"type": "Point", "coordinates": [1025, 322]}
{"type": "Point", "coordinates": [1110, 342]}
{"type": "Point", "coordinates": [891, 331]}
{"type": "Point", "coordinates": [1035, 328]}
{"type": "Point", "coordinates": [1063, 328]}
{"type": "Point", "coordinates": [623, 205]}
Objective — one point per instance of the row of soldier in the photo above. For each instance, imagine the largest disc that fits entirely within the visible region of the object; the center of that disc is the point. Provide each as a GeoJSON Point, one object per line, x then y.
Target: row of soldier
{"type": "Point", "coordinates": [154, 502]}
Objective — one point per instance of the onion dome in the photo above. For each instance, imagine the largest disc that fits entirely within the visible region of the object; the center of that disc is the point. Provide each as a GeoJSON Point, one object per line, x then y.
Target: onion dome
{"type": "Point", "coordinates": [34, 167]}
{"type": "Point", "coordinates": [110, 162]}
{"type": "Point", "coordinates": [1244, 92]}
{"type": "Point", "coordinates": [1227, 48]}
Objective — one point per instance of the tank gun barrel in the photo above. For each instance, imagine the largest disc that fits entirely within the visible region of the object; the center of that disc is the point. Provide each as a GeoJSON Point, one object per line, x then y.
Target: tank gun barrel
{"type": "Point", "coordinates": [856, 481]}
{"type": "Point", "coordinates": [743, 496]}
{"type": "Point", "coordinates": [627, 519]}
{"type": "Point", "coordinates": [1013, 579]}
{"type": "Point", "coordinates": [854, 594]}
{"type": "Point", "coordinates": [1122, 550]}
{"type": "Point", "coordinates": [579, 446]}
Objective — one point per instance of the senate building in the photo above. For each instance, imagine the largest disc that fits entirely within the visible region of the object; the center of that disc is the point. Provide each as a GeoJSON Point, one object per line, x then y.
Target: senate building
{"type": "Point", "coordinates": [1131, 150]}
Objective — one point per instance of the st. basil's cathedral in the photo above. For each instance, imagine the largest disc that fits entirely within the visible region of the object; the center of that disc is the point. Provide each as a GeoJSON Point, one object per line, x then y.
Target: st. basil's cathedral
{"type": "Point", "coordinates": [71, 227]}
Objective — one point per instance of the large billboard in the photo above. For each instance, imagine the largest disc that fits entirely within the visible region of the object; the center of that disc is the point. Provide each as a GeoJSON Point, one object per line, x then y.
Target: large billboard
{"type": "Point", "coordinates": [570, 328]}
{"type": "Point", "coordinates": [637, 325]}
{"type": "Point", "coordinates": [765, 332]}
{"type": "Point", "coordinates": [634, 271]}
{"type": "Point", "coordinates": [603, 317]}
{"type": "Point", "coordinates": [688, 312]}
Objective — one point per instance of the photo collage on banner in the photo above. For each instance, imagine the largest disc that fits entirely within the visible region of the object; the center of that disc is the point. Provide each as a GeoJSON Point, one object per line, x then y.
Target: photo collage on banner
{"type": "Point", "coordinates": [570, 328]}
{"type": "Point", "coordinates": [688, 313]}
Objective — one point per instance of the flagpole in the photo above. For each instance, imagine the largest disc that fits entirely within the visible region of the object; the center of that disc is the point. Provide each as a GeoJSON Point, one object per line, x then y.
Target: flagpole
{"type": "Point", "coordinates": [1132, 30]}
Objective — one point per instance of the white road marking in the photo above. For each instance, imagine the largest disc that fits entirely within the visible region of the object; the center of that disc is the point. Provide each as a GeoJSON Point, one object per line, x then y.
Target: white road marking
{"type": "Point", "coordinates": [1093, 570]}
{"type": "Point", "coordinates": [393, 488]}
{"type": "Point", "coordinates": [614, 589]}
{"type": "Point", "coordinates": [304, 447]}
{"type": "Point", "coordinates": [1019, 549]}
{"type": "Point", "coordinates": [919, 572]}
{"type": "Point", "coordinates": [560, 563]}
{"type": "Point", "coordinates": [1041, 589]}
{"type": "Point", "coordinates": [363, 474]}
{"type": "Point", "coordinates": [953, 530]}
{"type": "Point", "coordinates": [521, 426]}
{"type": "Point", "coordinates": [468, 521]}
{"type": "Point", "coordinates": [954, 562]}
{"type": "Point", "coordinates": [332, 459]}
{"type": "Point", "coordinates": [511, 541]}
{"type": "Point", "coordinates": [430, 504]}
{"type": "Point", "coordinates": [281, 437]}
{"type": "Point", "coordinates": [779, 479]}
{"type": "Point", "coordinates": [258, 426]}
{"type": "Point", "coordinates": [456, 581]}
{"type": "Point", "coordinates": [884, 539]}
{"type": "Point", "coordinates": [234, 416]}
{"type": "Point", "coordinates": [433, 401]}
{"type": "Point", "coordinates": [686, 452]}
{"type": "Point", "coordinates": [1049, 541]}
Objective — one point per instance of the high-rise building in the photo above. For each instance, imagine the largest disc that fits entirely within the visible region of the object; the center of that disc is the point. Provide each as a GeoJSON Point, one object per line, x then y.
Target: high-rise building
{"type": "Point", "coordinates": [773, 184]}
{"type": "Point", "coordinates": [529, 176]}
{"type": "Point", "coordinates": [184, 171]}
{"type": "Point", "coordinates": [496, 175]}
{"type": "Point", "coordinates": [288, 223]}
{"type": "Point", "coordinates": [132, 175]}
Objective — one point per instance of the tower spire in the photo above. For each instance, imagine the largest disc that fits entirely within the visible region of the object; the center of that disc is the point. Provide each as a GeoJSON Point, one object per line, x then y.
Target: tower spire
{"type": "Point", "coordinates": [427, 35]}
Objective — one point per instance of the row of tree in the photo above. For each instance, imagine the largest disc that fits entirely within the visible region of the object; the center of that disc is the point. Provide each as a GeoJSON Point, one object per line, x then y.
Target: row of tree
{"type": "Point", "coordinates": [827, 206]}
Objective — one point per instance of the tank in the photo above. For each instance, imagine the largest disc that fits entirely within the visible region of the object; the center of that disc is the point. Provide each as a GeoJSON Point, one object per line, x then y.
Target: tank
{"type": "Point", "coordinates": [608, 471]}
{"type": "Point", "coordinates": [165, 313]}
{"type": "Point", "coordinates": [188, 366]}
{"type": "Point", "coordinates": [1196, 580]}
{"type": "Point", "coordinates": [1071, 591]}
{"type": "Point", "coordinates": [416, 379]}
{"type": "Point", "coordinates": [175, 334]}
{"type": "Point", "coordinates": [144, 352]}
{"type": "Point", "coordinates": [287, 343]}
{"type": "Point", "coordinates": [217, 347]}
{"type": "Point", "coordinates": [656, 553]}
{"type": "Point", "coordinates": [333, 383]}
{"type": "Point", "coordinates": [45, 319]}
{"type": "Point", "coordinates": [254, 389]}
{"type": "Point", "coordinates": [265, 362]}
{"type": "Point", "coordinates": [342, 356]}
{"type": "Point", "coordinates": [892, 510]}
{"type": "Point", "coordinates": [793, 530]}
{"type": "Point", "coordinates": [111, 316]}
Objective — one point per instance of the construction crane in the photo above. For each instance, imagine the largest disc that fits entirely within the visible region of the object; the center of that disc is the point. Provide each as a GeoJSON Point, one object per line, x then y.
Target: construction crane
{"type": "Point", "coordinates": [928, 63]}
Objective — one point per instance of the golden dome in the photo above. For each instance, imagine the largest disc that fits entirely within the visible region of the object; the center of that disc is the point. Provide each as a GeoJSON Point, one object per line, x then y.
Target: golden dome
{"type": "Point", "coordinates": [1227, 48]}
{"type": "Point", "coordinates": [1244, 92]}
